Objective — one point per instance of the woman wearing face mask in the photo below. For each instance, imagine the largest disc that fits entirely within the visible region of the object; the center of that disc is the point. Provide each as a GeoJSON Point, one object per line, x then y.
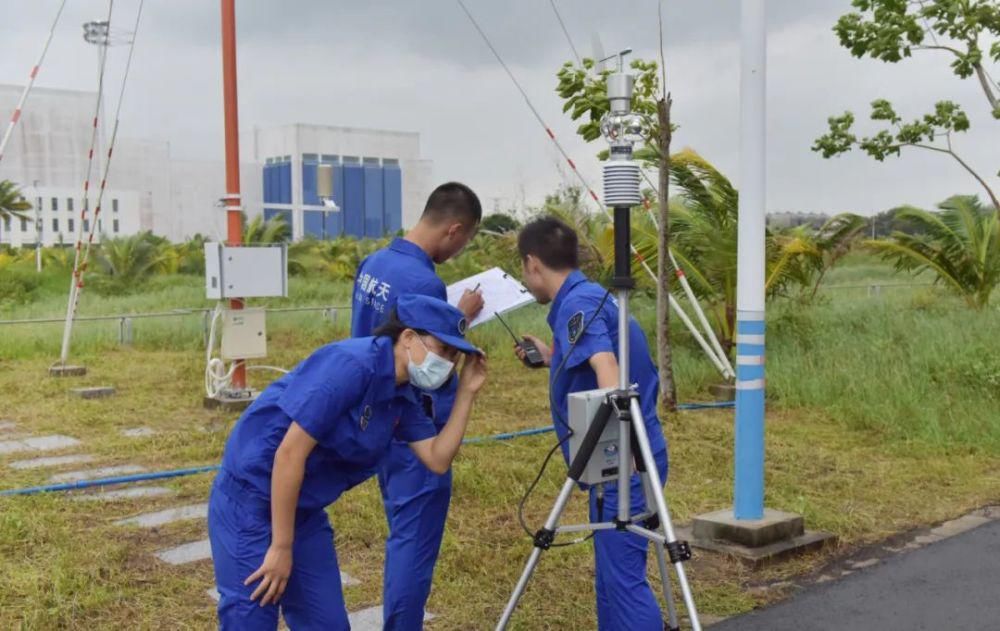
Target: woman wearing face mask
{"type": "Point", "coordinates": [312, 435]}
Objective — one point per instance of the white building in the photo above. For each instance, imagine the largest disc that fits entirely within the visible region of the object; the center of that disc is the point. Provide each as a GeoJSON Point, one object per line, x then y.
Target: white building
{"type": "Point", "coordinates": [380, 181]}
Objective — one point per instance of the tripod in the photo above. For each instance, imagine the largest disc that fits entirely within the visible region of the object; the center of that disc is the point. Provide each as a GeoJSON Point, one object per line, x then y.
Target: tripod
{"type": "Point", "coordinates": [622, 129]}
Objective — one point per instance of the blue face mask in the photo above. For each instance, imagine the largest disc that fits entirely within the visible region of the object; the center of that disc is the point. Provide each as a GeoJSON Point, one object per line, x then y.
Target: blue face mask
{"type": "Point", "coordinates": [430, 374]}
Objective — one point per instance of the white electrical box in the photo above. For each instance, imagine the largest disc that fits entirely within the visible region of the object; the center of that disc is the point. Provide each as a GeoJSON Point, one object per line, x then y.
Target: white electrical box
{"type": "Point", "coordinates": [603, 463]}
{"type": "Point", "coordinates": [245, 272]}
{"type": "Point", "coordinates": [244, 335]}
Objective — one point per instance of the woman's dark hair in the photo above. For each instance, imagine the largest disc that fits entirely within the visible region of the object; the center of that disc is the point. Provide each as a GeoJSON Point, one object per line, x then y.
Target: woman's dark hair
{"type": "Point", "coordinates": [392, 327]}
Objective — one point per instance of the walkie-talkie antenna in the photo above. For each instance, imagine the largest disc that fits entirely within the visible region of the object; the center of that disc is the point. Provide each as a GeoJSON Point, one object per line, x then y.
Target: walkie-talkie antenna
{"type": "Point", "coordinates": [497, 314]}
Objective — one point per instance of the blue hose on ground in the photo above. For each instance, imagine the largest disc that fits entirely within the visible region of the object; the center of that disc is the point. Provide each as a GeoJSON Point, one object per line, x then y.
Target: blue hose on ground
{"type": "Point", "coordinates": [177, 473]}
{"type": "Point", "coordinates": [83, 484]}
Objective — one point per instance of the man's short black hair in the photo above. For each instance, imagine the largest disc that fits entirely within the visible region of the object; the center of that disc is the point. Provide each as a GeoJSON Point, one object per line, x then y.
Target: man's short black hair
{"type": "Point", "coordinates": [453, 201]}
{"type": "Point", "coordinates": [552, 241]}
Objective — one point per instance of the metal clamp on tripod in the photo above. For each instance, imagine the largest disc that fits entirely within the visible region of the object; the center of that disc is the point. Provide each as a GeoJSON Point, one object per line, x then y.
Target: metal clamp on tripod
{"type": "Point", "coordinates": [603, 448]}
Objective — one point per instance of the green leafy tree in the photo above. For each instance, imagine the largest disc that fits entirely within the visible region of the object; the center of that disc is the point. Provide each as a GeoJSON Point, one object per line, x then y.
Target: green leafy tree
{"type": "Point", "coordinates": [12, 203]}
{"type": "Point", "coordinates": [960, 245]}
{"type": "Point", "coordinates": [891, 30]}
{"type": "Point", "coordinates": [500, 223]}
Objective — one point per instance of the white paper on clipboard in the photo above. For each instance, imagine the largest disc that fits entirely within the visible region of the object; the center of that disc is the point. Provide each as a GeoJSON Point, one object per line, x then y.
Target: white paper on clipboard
{"type": "Point", "coordinates": [501, 293]}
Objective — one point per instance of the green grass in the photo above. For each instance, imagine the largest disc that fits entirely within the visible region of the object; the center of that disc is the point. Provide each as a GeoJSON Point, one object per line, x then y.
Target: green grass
{"type": "Point", "coordinates": [881, 418]}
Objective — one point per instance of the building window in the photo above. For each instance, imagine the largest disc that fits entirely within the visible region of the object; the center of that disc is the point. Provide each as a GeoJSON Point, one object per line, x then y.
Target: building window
{"type": "Point", "coordinates": [310, 157]}
{"type": "Point", "coordinates": [24, 225]}
{"type": "Point", "coordinates": [329, 159]}
{"type": "Point", "coordinates": [390, 162]}
{"type": "Point", "coordinates": [69, 225]}
{"type": "Point", "coordinates": [55, 225]}
{"type": "Point", "coordinates": [38, 203]}
{"type": "Point", "coordinates": [287, 159]}
{"type": "Point", "coordinates": [100, 226]}
{"type": "Point", "coordinates": [114, 226]}
{"type": "Point", "coordinates": [69, 204]}
{"type": "Point", "coordinates": [351, 159]}
{"type": "Point", "coordinates": [372, 161]}
{"type": "Point", "coordinates": [114, 205]}
{"type": "Point", "coordinates": [55, 204]}
{"type": "Point", "coordinates": [86, 225]}
{"type": "Point", "coordinates": [6, 224]}
{"type": "Point", "coordinates": [269, 161]}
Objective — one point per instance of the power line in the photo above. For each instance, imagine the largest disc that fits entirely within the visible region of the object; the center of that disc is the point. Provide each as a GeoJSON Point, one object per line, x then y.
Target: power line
{"type": "Point", "coordinates": [569, 39]}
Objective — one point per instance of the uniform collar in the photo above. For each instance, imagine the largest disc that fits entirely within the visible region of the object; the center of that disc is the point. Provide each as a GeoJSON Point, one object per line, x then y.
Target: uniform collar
{"type": "Point", "coordinates": [384, 384]}
{"type": "Point", "coordinates": [575, 278]}
{"type": "Point", "coordinates": [410, 248]}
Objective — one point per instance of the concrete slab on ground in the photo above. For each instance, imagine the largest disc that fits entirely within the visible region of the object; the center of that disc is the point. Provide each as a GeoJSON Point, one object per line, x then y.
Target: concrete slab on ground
{"type": "Point", "coordinates": [124, 494]}
{"type": "Point", "coordinates": [94, 392]}
{"type": "Point", "coordinates": [186, 553]}
{"type": "Point", "coordinates": [370, 619]}
{"type": "Point", "coordinates": [38, 443]}
{"type": "Point", "coordinates": [67, 371]}
{"type": "Point", "coordinates": [170, 515]}
{"type": "Point", "coordinates": [93, 474]}
{"type": "Point", "coordinates": [138, 432]}
{"type": "Point", "coordinates": [52, 461]}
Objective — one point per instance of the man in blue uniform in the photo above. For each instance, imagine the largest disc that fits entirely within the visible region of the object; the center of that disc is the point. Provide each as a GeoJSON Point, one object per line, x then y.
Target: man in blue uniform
{"type": "Point", "coordinates": [311, 436]}
{"type": "Point", "coordinates": [584, 322]}
{"type": "Point", "coordinates": [416, 499]}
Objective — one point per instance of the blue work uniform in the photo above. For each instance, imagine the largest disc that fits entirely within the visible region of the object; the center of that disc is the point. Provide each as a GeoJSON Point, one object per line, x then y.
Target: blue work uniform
{"type": "Point", "coordinates": [345, 397]}
{"type": "Point", "coordinates": [416, 499]}
{"type": "Point", "coordinates": [625, 599]}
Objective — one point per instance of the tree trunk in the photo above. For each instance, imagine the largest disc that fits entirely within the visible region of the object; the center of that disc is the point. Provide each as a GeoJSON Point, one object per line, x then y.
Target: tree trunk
{"type": "Point", "coordinates": [664, 353]}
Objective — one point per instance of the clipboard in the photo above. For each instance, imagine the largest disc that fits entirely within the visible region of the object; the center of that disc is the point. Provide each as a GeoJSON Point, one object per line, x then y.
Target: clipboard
{"type": "Point", "coordinates": [501, 293]}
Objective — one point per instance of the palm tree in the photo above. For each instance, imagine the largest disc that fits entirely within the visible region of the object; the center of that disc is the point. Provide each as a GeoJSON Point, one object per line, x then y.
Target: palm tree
{"type": "Point", "coordinates": [127, 261]}
{"type": "Point", "coordinates": [12, 204]}
{"type": "Point", "coordinates": [802, 256]}
{"type": "Point", "coordinates": [703, 236]}
{"type": "Point", "coordinates": [960, 245]}
{"type": "Point", "coordinates": [258, 231]}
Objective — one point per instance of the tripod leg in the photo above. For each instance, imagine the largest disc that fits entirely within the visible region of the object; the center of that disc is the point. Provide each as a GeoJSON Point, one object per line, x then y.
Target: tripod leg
{"type": "Point", "coordinates": [550, 526]}
{"type": "Point", "coordinates": [544, 537]}
{"type": "Point", "coordinates": [661, 561]}
{"type": "Point", "coordinates": [661, 509]}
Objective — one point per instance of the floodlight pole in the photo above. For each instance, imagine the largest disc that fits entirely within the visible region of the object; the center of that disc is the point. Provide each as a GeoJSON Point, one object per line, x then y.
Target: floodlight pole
{"type": "Point", "coordinates": [233, 202]}
{"type": "Point", "coordinates": [748, 500]}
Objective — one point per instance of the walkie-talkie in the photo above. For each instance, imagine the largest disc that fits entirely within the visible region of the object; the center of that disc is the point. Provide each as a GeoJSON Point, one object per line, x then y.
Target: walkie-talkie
{"type": "Point", "coordinates": [532, 356]}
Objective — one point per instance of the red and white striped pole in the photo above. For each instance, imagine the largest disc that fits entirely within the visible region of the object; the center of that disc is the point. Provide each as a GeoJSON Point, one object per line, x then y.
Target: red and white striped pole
{"type": "Point", "coordinates": [16, 116]}
{"type": "Point", "coordinates": [234, 219]}
{"type": "Point", "coordinates": [76, 278]}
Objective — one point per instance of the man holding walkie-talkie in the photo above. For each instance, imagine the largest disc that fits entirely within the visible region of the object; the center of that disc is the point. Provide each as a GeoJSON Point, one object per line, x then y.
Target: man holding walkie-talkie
{"type": "Point", "coordinates": [584, 322]}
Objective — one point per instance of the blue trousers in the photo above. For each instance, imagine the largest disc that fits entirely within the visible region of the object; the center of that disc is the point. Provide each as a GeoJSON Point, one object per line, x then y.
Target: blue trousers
{"type": "Point", "coordinates": [239, 529]}
{"type": "Point", "coordinates": [625, 599]}
{"type": "Point", "coordinates": [416, 506]}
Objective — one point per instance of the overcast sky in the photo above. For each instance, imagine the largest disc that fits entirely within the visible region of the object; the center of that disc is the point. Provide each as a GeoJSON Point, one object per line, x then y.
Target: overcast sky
{"type": "Point", "coordinates": [420, 66]}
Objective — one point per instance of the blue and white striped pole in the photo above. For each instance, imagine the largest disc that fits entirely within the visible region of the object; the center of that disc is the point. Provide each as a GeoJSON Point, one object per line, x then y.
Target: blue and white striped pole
{"type": "Point", "coordinates": [749, 486]}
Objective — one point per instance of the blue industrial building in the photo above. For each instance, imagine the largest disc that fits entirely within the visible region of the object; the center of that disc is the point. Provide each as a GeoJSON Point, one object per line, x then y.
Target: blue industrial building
{"type": "Point", "coordinates": [369, 188]}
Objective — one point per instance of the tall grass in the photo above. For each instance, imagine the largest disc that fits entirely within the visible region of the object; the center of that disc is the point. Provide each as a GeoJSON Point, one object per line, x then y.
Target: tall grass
{"type": "Point", "coordinates": [912, 362]}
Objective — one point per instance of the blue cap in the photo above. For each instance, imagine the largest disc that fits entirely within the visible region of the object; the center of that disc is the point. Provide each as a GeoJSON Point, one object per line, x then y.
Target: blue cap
{"type": "Point", "coordinates": [437, 317]}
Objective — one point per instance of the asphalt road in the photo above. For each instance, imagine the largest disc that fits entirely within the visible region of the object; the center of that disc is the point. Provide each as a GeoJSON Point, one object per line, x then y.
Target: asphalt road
{"type": "Point", "coordinates": [952, 584]}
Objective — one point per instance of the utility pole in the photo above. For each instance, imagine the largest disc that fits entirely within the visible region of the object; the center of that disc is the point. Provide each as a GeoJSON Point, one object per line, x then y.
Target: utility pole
{"type": "Point", "coordinates": [234, 207]}
{"type": "Point", "coordinates": [749, 487]}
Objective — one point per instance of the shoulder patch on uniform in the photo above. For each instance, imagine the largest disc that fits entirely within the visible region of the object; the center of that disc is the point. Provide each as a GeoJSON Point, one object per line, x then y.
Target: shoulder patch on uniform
{"type": "Point", "coordinates": [463, 324]}
{"type": "Point", "coordinates": [575, 326]}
